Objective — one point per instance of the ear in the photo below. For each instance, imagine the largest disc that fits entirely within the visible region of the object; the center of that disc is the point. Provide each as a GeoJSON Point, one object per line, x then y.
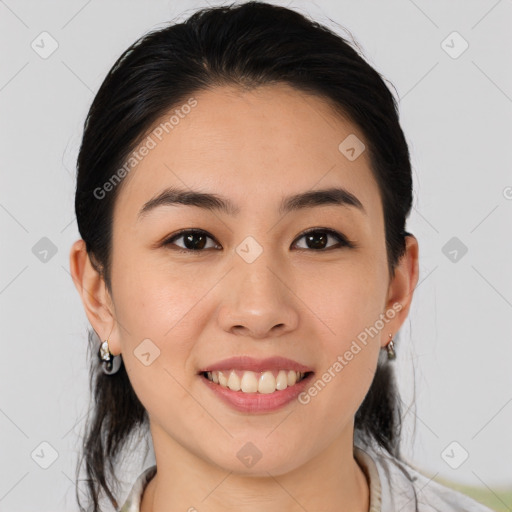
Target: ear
{"type": "Point", "coordinates": [401, 288]}
{"type": "Point", "coordinates": [94, 294]}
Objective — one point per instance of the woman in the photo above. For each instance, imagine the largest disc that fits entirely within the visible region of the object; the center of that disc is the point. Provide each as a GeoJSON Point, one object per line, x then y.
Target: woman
{"type": "Point", "coordinates": [242, 191]}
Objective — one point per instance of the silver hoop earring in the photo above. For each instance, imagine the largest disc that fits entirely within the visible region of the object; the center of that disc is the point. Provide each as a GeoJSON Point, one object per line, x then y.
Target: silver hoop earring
{"type": "Point", "coordinates": [110, 363]}
{"type": "Point", "coordinates": [390, 347]}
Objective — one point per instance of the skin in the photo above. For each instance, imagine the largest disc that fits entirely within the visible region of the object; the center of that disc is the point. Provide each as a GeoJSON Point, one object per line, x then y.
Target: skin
{"type": "Point", "coordinates": [295, 301]}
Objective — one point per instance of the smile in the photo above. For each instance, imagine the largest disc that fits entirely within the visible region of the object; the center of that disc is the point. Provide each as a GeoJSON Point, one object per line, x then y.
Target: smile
{"type": "Point", "coordinates": [265, 382]}
{"type": "Point", "coordinates": [265, 397]}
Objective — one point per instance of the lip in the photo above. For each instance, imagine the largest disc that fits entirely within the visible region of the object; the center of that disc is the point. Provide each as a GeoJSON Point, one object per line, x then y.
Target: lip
{"type": "Point", "coordinates": [258, 402]}
{"type": "Point", "coordinates": [246, 363]}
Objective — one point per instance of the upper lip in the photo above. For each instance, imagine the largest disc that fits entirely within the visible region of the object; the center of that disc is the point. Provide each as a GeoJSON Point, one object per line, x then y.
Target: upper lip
{"type": "Point", "coordinates": [256, 365]}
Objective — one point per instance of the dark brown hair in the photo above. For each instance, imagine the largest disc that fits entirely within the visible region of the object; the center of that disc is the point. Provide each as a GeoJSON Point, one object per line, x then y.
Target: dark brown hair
{"type": "Point", "coordinates": [247, 45]}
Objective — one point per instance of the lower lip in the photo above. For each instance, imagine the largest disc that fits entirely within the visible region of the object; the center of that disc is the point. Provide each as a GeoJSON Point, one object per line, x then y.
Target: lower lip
{"type": "Point", "coordinates": [257, 402]}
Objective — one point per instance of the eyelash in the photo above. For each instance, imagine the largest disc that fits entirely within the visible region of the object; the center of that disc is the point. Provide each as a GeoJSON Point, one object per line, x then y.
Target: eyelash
{"type": "Point", "coordinates": [341, 239]}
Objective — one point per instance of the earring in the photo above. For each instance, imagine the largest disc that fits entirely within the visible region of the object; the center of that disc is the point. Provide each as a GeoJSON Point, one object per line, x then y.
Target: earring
{"type": "Point", "coordinates": [110, 363]}
{"type": "Point", "coordinates": [390, 347]}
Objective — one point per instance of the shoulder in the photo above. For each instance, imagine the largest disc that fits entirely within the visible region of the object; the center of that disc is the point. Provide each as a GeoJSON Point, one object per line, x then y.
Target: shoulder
{"type": "Point", "coordinates": [402, 487]}
{"type": "Point", "coordinates": [132, 502]}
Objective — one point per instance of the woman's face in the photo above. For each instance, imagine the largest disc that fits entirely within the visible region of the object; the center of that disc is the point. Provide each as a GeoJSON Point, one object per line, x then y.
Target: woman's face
{"type": "Point", "coordinates": [255, 286]}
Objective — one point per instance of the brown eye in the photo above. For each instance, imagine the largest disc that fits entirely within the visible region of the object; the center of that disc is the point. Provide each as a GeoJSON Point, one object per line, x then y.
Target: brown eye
{"type": "Point", "coordinates": [193, 240]}
{"type": "Point", "coordinates": [317, 239]}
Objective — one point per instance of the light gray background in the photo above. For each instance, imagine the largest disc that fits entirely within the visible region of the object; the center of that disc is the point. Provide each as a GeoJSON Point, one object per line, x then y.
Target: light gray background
{"type": "Point", "coordinates": [457, 116]}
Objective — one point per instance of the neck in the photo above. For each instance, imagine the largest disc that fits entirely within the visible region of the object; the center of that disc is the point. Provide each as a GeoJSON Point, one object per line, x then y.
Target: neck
{"type": "Point", "coordinates": [186, 482]}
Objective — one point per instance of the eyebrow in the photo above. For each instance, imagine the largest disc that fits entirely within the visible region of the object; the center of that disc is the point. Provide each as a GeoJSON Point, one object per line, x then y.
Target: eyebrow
{"type": "Point", "coordinates": [312, 198]}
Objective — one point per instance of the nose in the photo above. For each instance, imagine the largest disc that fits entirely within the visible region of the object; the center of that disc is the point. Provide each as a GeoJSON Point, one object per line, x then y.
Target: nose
{"type": "Point", "coordinates": [258, 300]}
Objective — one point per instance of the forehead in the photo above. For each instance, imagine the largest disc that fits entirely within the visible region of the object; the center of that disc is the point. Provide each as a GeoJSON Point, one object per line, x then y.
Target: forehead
{"type": "Point", "coordinates": [253, 145]}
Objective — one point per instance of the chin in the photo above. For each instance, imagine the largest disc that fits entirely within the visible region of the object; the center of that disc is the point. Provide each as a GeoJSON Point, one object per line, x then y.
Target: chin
{"type": "Point", "coordinates": [260, 457]}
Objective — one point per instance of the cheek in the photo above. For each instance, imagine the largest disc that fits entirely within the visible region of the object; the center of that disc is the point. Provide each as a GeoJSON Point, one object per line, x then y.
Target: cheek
{"type": "Point", "coordinates": [347, 305]}
{"type": "Point", "coordinates": [344, 299]}
{"type": "Point", "coordinates": [162, 312]}
{"type": "Point", "coordinates": [348, 362]}
{"type": "Point", "coordinates": [337, 395]}
{"type": "Point", "coordinates": [151, 300]}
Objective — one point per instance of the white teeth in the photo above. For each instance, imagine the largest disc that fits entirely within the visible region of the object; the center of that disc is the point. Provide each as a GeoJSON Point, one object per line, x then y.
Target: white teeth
{"type": "Point", "coordinates": [292, 378]}
{"type": "Point", "coordinates": [249, 382]}
{"type": "Point", "coordinates": [223, 381]}
{"type": "Point", "coordinates": [234, 381]}
{"type": "Point", "coordinates": [253, 382]}
{"type": "Point", "coordinates": [282, 380]}
{"type": "Point", "coordinates": [267, 383]}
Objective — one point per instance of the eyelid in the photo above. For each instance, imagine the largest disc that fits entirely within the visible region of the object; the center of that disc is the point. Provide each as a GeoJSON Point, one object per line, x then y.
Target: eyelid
{"type": "Point", "coordinates": [196, 231]}
{"type": "Point", "coordinates": [342, 239]}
